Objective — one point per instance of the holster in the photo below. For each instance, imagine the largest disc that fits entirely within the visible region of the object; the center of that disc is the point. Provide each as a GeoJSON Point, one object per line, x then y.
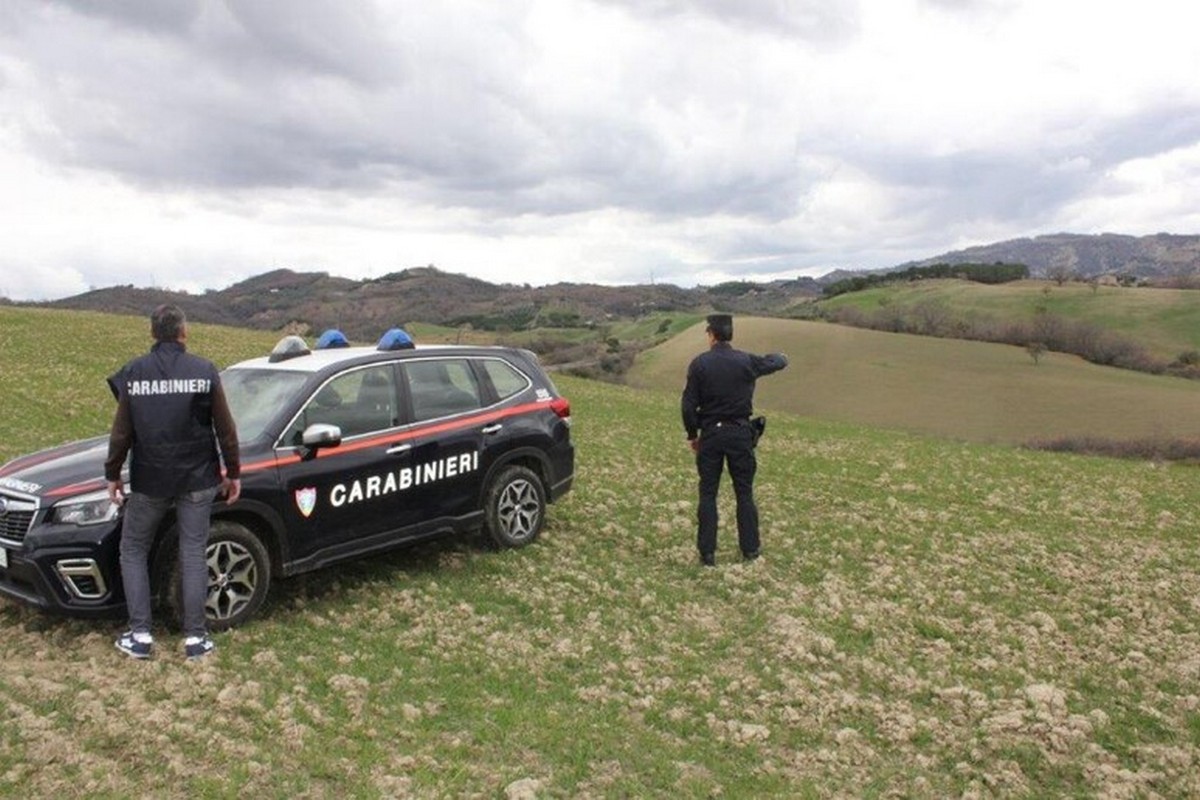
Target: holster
{"type": "Point", "coordinates": [758, 425]}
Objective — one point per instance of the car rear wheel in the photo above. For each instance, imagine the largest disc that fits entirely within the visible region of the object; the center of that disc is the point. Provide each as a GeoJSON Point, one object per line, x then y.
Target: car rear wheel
{"type": "Point", "coordinates": [515, 507]}
{"type": "Point", "coordinates": [239, 576]}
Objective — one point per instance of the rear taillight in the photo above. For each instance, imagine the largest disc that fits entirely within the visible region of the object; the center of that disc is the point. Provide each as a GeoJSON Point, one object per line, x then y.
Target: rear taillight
{"type": "Point", "coordinates": [562, 407]}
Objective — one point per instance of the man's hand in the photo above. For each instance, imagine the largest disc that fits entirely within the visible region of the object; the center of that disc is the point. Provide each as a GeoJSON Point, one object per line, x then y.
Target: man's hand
{"type": "Point", "coordinates": [694, 444]}
{"type": "Point", "coordinates": [116, 493]}
{"type": "Point", "coordinates": [232, 489]}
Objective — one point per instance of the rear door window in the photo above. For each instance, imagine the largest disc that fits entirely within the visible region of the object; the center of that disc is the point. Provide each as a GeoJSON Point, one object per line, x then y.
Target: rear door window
{"type": "Point", "coordinates": [505, 378]}
{"type": "Point", "coordinates": [441, 388]}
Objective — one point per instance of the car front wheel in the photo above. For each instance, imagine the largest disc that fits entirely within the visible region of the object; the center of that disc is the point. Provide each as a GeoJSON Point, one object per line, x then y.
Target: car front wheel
{"type": "Point", "coordinates": [515, 507]}
{"type": "Point", "coordinates": [239, 576]}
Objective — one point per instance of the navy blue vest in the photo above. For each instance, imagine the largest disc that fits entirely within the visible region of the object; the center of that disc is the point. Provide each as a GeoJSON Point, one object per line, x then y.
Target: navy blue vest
{"type": "Point", "coordinates": [170, 396]}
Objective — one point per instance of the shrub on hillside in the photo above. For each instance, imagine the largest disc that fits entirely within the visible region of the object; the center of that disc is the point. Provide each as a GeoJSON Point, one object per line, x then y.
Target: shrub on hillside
{"type": "Point", "coordinates": [1186, 364]}
{"type": "Point", "coordinates": [1059, 334]}
{"type": "Point", "coordinates": [1152, 449]}
{"type": "Point", "coordinates": [733, 288]}
{"type": "Point", "coordinates": [559, 318]}
{"type": "Point", "coordinates": [552, 351]}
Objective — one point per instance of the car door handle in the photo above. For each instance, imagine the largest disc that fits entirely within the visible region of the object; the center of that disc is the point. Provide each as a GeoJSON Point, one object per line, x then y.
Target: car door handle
{"type": "Point", "coordinates": [400, 448]}
{"type": "Point", "coordinates": [490, 429]}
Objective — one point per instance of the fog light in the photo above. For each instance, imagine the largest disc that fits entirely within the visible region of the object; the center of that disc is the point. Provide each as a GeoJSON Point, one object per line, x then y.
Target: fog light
{"type": "Point", "coordinates": [82, 577]}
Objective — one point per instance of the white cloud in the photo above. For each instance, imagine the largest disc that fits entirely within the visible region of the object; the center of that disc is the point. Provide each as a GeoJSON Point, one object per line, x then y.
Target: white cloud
{"type": "Point", "coordinates": [1137, 196]}
{"type": "Point", "coordinates": [193, 143]}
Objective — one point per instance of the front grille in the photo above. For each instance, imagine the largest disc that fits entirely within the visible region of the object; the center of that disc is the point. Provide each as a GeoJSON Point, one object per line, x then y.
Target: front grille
{"type": "Point", "coordinates": [16, 519]}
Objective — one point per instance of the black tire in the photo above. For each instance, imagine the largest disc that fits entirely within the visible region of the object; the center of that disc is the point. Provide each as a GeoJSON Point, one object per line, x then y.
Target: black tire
{"type": "Point", "coordinates": [239, 576]}
{"type": "Point", "coordinates": [515, 506]}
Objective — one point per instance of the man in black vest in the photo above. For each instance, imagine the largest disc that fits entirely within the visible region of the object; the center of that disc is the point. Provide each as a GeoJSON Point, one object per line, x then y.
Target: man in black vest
{"type": "Point", "coordinates": [717, 403]}
{"type": "Point", "coordinates": [169, 403]}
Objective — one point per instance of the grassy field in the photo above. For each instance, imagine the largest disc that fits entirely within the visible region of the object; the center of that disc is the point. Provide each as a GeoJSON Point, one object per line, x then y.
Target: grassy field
{"type": "Point", "coordinates": [930, 618]}
{"type": "Point", "coordinates": [56, 364]}
{"type": "Point", "coordinates": [965, 390]}
{"type": "Point", "coordinates": [1164, 321]}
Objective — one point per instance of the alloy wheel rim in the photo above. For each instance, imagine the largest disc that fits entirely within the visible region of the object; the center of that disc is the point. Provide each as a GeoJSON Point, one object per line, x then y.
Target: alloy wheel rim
{"type": "Point", "coordinates": [232, 579]}
{"type": "Point", "coordinates": [519, 509]}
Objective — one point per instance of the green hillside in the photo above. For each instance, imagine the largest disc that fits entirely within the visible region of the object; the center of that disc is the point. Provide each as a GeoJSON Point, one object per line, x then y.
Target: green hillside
{"type": "Point", "coordinates": [1164, 321]}
{"type": "Point", "coordinates": [56, 362]}
{"type": "Point", "coordinates": [929, 619]}
{"type": "Point", "coordinates": [944, 387]}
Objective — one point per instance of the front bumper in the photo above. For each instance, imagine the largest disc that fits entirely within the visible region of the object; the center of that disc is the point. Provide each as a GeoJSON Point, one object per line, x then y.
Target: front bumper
{"type": "Point", "coordinates": [76, 578]}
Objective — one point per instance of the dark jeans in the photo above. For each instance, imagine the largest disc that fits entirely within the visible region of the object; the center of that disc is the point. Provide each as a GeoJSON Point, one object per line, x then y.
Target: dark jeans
{"type": "Point", "coordinates": [733, 445]}
{"type": "Point", "coordinates": [142, 517]}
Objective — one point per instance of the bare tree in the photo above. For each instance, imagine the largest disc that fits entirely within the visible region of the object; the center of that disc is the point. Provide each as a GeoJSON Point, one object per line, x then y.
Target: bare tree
{"type": "Point", "coordinates": [1061, 273]}
{"type": "Point", "coordinates": [1035, 350]}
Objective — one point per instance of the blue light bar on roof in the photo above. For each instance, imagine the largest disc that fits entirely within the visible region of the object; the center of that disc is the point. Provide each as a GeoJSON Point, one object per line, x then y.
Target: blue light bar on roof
{"type": "Point", "coordinates": [395, 339]}
{"type": "Point", "coordinates": [332, 338]}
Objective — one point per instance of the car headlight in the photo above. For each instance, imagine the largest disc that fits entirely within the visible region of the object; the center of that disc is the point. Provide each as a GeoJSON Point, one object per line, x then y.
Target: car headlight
{"type": "Point", "coordinates": [86, 509]}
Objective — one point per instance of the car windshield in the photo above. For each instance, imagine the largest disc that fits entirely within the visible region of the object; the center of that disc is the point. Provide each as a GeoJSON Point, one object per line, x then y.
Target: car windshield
{"type": "Point", "coordinates": [256, 396]}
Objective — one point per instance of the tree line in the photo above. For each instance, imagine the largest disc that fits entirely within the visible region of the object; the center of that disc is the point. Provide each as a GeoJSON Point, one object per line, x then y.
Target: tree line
{"type": "Point", "coordinates": [998, 272]}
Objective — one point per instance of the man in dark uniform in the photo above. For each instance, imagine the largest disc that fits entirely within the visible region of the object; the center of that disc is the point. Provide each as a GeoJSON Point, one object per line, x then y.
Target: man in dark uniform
{"type": "Point", "coordinates": [169, 403]}
{"type": "Point", "coordinates": [717, 403]}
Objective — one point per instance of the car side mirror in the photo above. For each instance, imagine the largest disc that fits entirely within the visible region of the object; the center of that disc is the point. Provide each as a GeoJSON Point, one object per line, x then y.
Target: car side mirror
{"type": "Point", "coordinates": [317, 436]}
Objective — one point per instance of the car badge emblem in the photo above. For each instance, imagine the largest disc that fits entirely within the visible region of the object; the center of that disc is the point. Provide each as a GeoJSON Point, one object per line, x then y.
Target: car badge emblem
{"type": "Point", "coordinates": [306, 500]}
{"type": "Point", "coordinates": [3, 506]}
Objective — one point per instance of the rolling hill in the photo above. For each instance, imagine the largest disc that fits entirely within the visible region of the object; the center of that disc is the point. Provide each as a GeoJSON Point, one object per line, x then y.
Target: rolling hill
{"type": "Point", "coordinates": [1164, 321]}
{"type": "Point", "coordinates": [943, 387]}
{"type": "Point", "coordinates": [314, 301]}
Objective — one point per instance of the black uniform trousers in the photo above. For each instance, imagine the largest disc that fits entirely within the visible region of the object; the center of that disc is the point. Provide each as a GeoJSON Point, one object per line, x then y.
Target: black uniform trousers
{"type": "Point", "coordinates": [729, 443]}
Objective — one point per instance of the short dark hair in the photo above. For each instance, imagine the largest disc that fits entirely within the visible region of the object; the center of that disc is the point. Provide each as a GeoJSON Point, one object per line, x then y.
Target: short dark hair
{"type": "Point", "coordinates": [167, 323]}
{"type": "Point", "coordinates": [721, 327]}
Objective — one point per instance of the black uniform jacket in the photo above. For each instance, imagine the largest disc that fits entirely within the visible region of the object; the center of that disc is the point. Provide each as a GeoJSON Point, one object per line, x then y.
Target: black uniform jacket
{"type": "Point", "coordinates": [168, 403]}
{"type": "Point", "coordinates": [720, 386]}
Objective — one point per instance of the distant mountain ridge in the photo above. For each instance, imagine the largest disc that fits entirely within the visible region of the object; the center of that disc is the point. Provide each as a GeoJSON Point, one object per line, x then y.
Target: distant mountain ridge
{"type": "Point", "coordinates": [316, 300]}
{"type": "Point", "coordinates": [1161, 255]}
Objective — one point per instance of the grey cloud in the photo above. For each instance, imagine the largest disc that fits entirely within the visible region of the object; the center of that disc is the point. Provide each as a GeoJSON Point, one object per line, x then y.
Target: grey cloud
{"type": "Point", "coordinates": [249, 104]}
{"type": "Point", "coordinates": [972, 6]}
{"type": "Point", "coordinates": [975, 186]}
{"type": "Point", "coordinates": [324, 97]}
{"type": "Point", "coordinates": [1157, 130]}
{"type": "Point", "coordinates": [815, 21]}
{"type": "Point", "coordinates": [160, 16]}
{"type": "Point", "coordinates": [342, 40]}
{"type": "Point", "coordinates": [260, 99]}
{"type": "Point", "coordinates": [1027, 187]}
{"type": "Point", "coordinates": [309, 95]}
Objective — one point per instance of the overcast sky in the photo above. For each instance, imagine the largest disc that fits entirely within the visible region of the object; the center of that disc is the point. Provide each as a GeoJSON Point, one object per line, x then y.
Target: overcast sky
{"type": "Point", "coordinates": [190, 144]}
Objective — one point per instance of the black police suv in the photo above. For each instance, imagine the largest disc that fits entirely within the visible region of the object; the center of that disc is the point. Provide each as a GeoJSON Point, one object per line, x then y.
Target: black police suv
{"type": "Point", "coordinates": [345, 451]}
